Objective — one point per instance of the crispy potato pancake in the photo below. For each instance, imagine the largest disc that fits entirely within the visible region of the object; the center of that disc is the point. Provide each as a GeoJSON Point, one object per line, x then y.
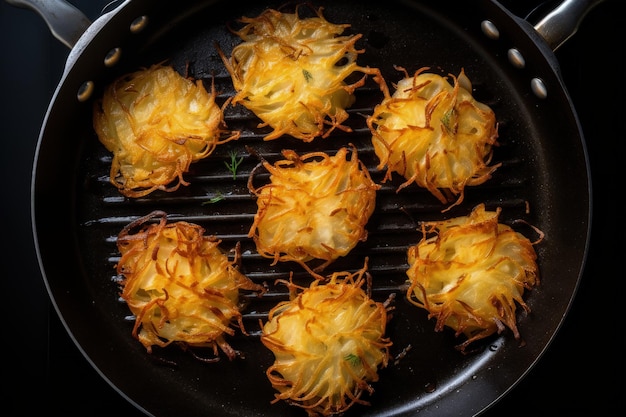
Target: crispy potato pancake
{"type": "Point", "coordinates": [329, 343]}
{"type": "Point", "coordinates": [435, 134]}
{"type": "Point", "coordinates": [291, 72]}
{"type": "Point", "coordinates": [179, 285]}
{"type": "Point", "coordinates": [156, 123]}
{"type": "Point", "coordinates": [315, 206]}
{"type": "Point", "coordinates": [470, 273]}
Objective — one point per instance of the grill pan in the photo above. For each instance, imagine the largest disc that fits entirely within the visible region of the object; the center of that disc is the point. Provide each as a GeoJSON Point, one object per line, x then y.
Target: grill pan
{"type": "Point", "coordinates": [543, 180]}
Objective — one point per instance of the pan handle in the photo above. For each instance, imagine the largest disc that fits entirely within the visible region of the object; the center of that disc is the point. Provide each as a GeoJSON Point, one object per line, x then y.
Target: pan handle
{"type": "Point", "coordinates": [65, 21]}
{"type": "Point", "coordinates": [562, 22]}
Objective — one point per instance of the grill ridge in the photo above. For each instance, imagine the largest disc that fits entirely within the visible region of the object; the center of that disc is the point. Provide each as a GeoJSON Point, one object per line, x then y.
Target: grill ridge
{"type": "Point", "coordinates": [393, 227]}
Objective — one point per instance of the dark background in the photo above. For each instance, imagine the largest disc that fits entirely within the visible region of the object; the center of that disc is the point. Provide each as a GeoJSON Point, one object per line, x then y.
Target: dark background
{"type": "Point", "coordinates": [581, 373]}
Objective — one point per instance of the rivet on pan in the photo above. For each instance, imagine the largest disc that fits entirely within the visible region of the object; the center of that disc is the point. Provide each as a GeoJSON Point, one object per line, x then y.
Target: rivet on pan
{"type": "Point", "coordinates": [490, 29]}
{"type": "Point", "coordinates": [516, 58]}
{"type": "Point", "coordinates": [112, 57]}
{"type": "Point", "coordinates": [139, 24]}
{"type": "Point", "coordinates": [539, 88]}
{"type": "Point", "coordinates": [85, 91]}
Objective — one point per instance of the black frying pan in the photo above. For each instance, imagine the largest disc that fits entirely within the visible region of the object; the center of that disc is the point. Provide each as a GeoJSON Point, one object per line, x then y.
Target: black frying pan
{"type": "Point", "coordinates": [544, 164]}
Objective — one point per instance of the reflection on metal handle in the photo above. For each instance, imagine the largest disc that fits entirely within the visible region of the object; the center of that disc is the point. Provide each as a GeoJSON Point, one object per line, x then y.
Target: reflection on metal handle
{"type": "Point", "coordinates": [65, 21]}
{"type": "Point", "coordinates": [563, 21]}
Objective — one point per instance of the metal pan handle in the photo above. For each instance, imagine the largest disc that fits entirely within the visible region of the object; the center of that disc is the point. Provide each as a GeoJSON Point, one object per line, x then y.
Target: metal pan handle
{"type": "Point", "coordinates": [562, 22]}
{"type": "Point", "coordinates": [65, 21]}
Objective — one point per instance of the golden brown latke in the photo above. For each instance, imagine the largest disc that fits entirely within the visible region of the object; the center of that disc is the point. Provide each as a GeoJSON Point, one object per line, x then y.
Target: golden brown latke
{"type": "Point", "coordinates": [470, 273]}
{"type": "Point", "coordinates": [329, 343]}
{"type": "Point", "coordinates": [156, 123]}
{"type": "Point", "coordinates": [315, 206]}
{"type": "Point", "coordinates": [435, 134]}
{"type": "Point", "coordinates": [291, 72]}
{"type": "Point", "coordinates": [179, 285]}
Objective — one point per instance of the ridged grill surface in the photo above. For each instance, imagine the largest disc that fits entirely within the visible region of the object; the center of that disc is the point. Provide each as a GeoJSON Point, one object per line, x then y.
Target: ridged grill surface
{"type": "Point", "coordinates": [224, 206]}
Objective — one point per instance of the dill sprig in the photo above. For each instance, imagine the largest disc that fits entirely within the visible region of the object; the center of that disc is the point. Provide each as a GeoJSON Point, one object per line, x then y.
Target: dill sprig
{"type": "Point", "coordinates": [234, 163]}
{"type": "Point", "coordinates": [218, 197]}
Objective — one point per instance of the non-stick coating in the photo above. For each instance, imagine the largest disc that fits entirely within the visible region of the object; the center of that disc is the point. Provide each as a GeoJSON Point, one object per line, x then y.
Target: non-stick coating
{"type": "Point", "coordinates": [77, 213]}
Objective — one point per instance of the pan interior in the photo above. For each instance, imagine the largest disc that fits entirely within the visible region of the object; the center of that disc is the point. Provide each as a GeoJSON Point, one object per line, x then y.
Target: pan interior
{"type": "Point", "coordinates": [432, 377]}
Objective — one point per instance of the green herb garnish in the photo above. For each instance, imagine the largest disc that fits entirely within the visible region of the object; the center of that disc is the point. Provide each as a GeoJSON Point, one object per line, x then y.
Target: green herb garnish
{"type": "Point", "coordinates": [307, 75]}
{"type": "Point", "coordinates": [447, 119]}
{"type": "Point", "coordinates": [353, 359]}
{"type": "Point", "coordinates": [234, 163]}
{"type": "Point", "coordinates": [214, 199]}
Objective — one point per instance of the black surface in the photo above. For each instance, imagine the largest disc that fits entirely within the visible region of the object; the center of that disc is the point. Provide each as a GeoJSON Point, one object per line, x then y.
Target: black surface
{"type": "Point", "coordinates": [582, 372]}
